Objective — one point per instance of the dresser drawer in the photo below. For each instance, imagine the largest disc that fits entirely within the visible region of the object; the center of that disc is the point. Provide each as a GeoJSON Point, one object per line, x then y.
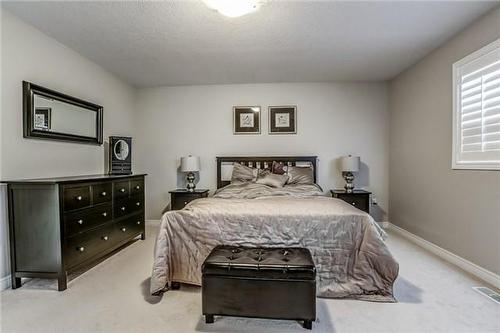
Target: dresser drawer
{"type": "Point", "coordinates": [180, 201]}
{"type": "Point", "coordinates": [76, 197]}
{"type": "Point", "coordinates": [121, 189]}
{"type": "Point", "coordinates": [128, 206]}
{"type": "Point", "coordinates": [180, 197]}
{"type": "Point", "coordinates": [86, 219]}
{"type": "Point", "coordinates": [129, 227]}
{"type": "Point", "coordinates": [136, 186]}
{"type": "Point", "coordinates": [101, 193]}
{"type": "Point", "coordinates": [86, 245]}
{"type": "Point", "coordinates": [359, 201]}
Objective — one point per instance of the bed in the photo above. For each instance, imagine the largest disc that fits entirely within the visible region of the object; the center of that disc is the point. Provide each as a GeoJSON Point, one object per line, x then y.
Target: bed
{"type": "Point", "coordinates": [351, 258]}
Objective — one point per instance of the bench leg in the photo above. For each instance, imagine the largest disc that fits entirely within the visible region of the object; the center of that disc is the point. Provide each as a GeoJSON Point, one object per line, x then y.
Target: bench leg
{"type": "Point", "coordinates": [209, 319]}
{"type": "Point", "coordinates": [16, 282]}
{"type": "Point", "coordinates": [175, 285]}
{"type": "Point", "coordinates": [308, 324]}
{"type": "Point", "coordinates": [62, 282]}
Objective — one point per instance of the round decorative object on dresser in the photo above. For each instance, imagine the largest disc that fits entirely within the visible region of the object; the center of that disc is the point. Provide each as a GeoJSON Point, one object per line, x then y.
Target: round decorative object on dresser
{"type": "Point", "coordinates": [120, 155]}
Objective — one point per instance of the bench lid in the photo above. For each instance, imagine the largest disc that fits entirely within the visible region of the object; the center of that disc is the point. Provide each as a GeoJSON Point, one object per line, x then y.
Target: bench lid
{"type": "Point", "coordinates": [260, 262]}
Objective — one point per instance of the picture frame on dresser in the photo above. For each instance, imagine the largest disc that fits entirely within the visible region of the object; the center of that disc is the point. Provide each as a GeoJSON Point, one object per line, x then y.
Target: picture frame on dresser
{"type": "Point", "coordinates": [120, 155]}
{"type": "Point", "coordinates": [77, 222]}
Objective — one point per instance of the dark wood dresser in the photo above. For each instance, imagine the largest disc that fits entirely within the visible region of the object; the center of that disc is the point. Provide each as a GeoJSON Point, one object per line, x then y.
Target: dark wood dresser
{"type": "Point", "coordinates": [61, 225]}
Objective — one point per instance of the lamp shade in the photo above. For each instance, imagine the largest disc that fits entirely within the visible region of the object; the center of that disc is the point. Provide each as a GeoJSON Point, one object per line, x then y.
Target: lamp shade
{"type": "Point", "coordinates": [349, 163]}
{"type": "Point", "coordinates": [190, 163]}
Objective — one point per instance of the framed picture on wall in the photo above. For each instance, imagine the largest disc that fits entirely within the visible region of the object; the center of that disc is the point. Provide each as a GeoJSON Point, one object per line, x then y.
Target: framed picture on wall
{"type": "Point", "coordinates": [41, 119]}
{"type": "Point", "coordinates": [246, 120]}
{"type": "Point", "coordinates": [283, 119]}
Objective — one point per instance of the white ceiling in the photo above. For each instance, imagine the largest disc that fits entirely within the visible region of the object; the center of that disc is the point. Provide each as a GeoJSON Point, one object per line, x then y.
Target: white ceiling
{"type": "Point", "coordinates": [183, 42]}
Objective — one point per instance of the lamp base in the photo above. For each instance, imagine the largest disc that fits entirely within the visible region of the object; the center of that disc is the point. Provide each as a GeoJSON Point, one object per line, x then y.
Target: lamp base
{"type": "Point", "coordinates": [190, 186]}
{"type": "Point", "coordinates": [349, 185]}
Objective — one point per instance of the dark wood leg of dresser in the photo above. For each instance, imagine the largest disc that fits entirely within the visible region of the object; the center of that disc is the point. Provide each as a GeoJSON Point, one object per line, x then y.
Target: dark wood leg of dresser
{"type": "Point", "coordinates": [62, 282]}
{"type": "Point", "coordinates": [16, 282]}
{"type": "Point", "coordinates": [175, 285]}
{"type": "Point", "coordinates": [143, 236]}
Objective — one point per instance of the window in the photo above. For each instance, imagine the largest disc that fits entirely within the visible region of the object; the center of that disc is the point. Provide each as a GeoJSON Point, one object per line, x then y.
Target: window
{"type": "Point", "coordinates": [476, 110]}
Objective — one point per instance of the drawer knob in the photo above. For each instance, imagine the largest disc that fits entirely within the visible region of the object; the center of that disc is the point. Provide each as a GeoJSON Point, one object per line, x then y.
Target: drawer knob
{"type": "Point", "coordinates": [79, 198]}
{"type": "Point", "coordinates": [185, 202]}
{"type": "Point", "coordinates": [122, 208]}
{"type": "Point", "coordinates": [124, 229]}
{"type": "Point", "coordinates": [80, 222]}
{"type": "Point", "coordinates": [81, 248]}
{"type": "Point", "coordinates": [137, 187]}
{"type": "Point", "coordinates": [105, 238]}
{"type": "Point", "coordinates": [122, 190]}
{"type": "Point", "coordinates": [138, 222]}
{"type": "Point", "coordinates": [137, 203]}
{"type": "Point", "coordinates": [104, 214]}
{"type": "Point", "coordinates": [354, 204]}
{"type": "Point", "coordinates": [103, 193]}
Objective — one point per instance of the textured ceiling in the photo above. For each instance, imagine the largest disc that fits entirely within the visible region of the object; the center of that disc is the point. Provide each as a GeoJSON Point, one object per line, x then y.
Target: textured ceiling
{"type": "Point", "coordinates": [183, 42]}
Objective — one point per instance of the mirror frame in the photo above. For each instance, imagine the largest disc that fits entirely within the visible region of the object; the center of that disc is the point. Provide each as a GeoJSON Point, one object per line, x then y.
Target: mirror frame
{"type": "Point", "coordinates": [29, 90]}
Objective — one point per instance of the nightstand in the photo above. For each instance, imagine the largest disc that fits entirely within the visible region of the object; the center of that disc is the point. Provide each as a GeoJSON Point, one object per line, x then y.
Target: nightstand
{"type": "Point", "coordinates": [181, 197]}
{"type": "Point", "coordinates": [359, 198]}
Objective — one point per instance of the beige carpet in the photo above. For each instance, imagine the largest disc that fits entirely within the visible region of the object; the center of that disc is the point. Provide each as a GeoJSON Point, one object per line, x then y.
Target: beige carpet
{"type": "Point", "coordinates": [113, 297]}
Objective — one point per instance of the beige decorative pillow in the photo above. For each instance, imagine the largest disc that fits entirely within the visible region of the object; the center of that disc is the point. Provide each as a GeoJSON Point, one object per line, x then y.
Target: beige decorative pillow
{"type": "Point", "coordinates": [300, 175]}
{"type": "Point", "coordinates": [272, 179]}
{"type": "Point", "coordinates": [243, 173]}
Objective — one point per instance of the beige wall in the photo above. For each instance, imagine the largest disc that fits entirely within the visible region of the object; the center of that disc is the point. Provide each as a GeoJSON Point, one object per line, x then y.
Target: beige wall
{"type": "Point", "coordinates": [458, 210]}
{"type": "Point", "coordinates": [27, 54]}
{"type": "Point", "coordinates": [334, 119]}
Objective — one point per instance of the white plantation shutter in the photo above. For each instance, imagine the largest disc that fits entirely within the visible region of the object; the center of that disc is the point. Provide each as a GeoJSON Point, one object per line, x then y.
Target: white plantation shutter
{"type": "Point", "coordinates": [476, 139]}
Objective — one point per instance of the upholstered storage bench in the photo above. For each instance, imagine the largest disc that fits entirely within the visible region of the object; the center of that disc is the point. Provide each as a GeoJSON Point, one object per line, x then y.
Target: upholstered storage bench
{"type": "Point", "coordinates": [277, 283]}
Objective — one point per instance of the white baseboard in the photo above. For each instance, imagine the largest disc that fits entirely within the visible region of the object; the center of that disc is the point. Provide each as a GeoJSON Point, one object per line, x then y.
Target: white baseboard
{"type": "Point", "coordinates": [384, 225]}
{"type": "Point", "coordinates": [446, 255]}
{"type": "Point", "coordinates": [153, 222]}
{"type": "Point", "coordinates": [5, 283]}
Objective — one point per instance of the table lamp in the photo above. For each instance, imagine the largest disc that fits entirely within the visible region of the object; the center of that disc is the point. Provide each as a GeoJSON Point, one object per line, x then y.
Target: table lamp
{"type": "Point", "coordinates": [349, 165]}
{"type": "Point", "coordinates": [190, 164]}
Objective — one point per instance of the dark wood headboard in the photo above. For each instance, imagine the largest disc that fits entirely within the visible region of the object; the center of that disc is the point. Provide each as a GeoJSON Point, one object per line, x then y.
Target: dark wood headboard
{"type": "Point", "coordinates": [261, 162]}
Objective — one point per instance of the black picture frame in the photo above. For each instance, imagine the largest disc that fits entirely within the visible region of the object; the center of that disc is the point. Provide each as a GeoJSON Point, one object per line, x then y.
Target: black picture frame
{"type": "Point", "coordinates": [29, 130]}
{"type": "Point", "coordinates": [283, 119]}
{"type": "Point", "coordinates": [246, 119]}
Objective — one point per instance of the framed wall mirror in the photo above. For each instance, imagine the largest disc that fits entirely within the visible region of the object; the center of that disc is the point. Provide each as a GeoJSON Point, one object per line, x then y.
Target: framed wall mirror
{"type": "Point", "coordinates": [48, 114]}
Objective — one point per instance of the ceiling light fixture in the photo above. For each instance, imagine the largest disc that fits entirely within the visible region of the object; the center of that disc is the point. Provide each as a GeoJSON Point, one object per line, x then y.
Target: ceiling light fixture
{"type": "Point", "coordinates": [234, 8]}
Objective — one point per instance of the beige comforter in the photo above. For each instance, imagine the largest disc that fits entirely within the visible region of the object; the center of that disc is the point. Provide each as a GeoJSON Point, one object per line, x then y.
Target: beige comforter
{"type": "Point", "coordinates": [351, 258]}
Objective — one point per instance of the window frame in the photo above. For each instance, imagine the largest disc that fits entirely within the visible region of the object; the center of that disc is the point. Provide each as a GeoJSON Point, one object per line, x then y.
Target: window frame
{"type": "Point", "coordinates": [456, 124]}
